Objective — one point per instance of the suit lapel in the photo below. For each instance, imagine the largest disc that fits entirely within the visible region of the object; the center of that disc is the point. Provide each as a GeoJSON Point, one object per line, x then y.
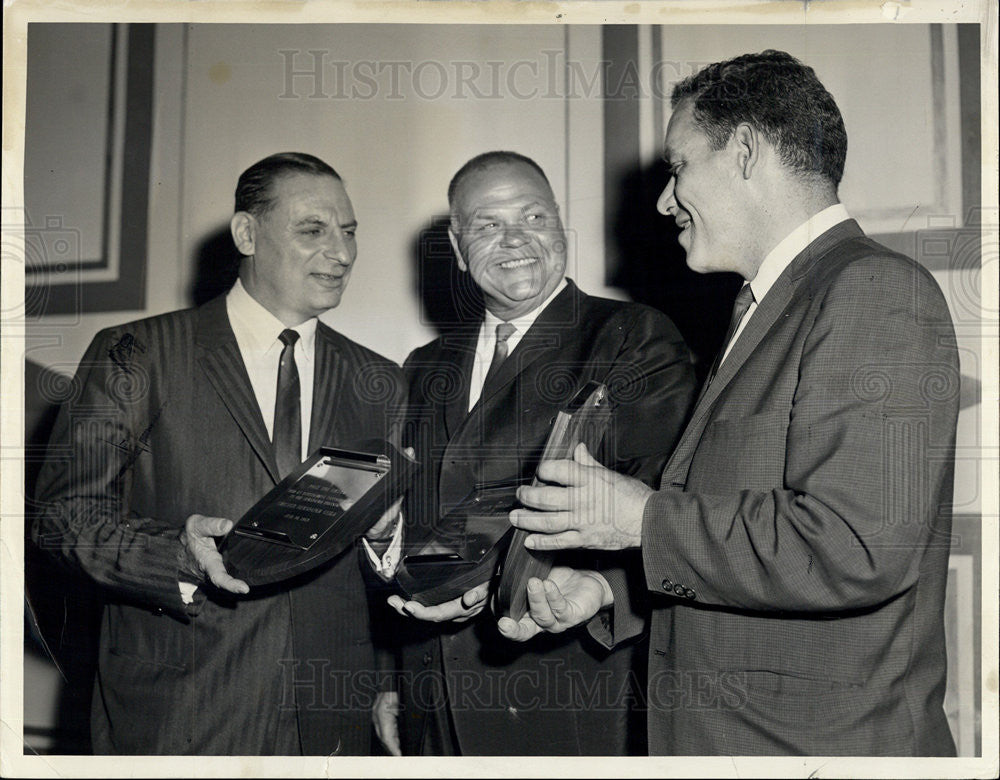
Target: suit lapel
{"type": "Point", "coordinates": [328, 377]}
{"type": "Point", "coordinates": [768, 312]}
{"type": "Point", "coordinates": [219, 356]}
{"type": "Point", "coordinates": [459, 350]}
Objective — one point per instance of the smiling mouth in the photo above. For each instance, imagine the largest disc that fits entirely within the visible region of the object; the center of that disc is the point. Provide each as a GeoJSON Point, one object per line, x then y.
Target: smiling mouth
{"type": "Point", "coordinates": [510, 265]}
{"type": "Point", "coordinates": [329, 279]}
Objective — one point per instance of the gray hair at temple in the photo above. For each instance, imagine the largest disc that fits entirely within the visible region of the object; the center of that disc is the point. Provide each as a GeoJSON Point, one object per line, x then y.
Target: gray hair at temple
{"type": "Point", "coordinates": [781, 97]}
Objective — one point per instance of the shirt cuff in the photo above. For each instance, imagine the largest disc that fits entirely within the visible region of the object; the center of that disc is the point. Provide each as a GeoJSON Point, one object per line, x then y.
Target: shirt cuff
{"type": "Point", "coordinates": [187, 591]}
{"type": "Point", "coordinates": [385, 567]}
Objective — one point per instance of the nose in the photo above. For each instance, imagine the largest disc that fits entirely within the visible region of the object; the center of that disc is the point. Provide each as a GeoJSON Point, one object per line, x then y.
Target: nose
{"type": "Point", "coordinates": [337, 248]}
{"type": "Point", "coordinates": [666, 203]}
{"type": "Point", "coordinates": [514, 236]}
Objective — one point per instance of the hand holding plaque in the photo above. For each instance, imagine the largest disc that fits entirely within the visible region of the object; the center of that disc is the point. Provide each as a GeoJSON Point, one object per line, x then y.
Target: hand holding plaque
{"type": "Point", "coordinates": [469, 543]}
{"type": "Point", "coordinates": [316, 512]}
{"type": "Point", "coordinates": [583, 420]}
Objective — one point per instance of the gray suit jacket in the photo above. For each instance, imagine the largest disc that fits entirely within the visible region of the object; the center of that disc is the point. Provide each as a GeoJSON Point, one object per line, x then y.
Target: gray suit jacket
{"type": "Point", "coordinates": [798, 546]}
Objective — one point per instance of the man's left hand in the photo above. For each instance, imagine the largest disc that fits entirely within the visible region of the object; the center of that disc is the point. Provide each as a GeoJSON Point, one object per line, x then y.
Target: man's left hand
{"type": "Point", "coordinates": [466, 606]}
{"type": "Point", "coordinates": [567, 598]}
{"type": "Point", "coordinates": [597, 509]}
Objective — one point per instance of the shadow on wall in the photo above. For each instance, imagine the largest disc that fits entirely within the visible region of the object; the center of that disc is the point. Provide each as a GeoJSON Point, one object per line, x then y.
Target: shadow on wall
{"type": "Point", "coordinates": [62, 608]}
{"type": "Point", "coordinates": [449, 299]}
{"type": "Point", "coordinates": [217, 264]}
{"type": "Point", "coordinates": [651, 267]}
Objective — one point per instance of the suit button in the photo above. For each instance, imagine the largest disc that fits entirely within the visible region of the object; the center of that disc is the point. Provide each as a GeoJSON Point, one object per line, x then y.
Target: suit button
{"type": "Point", "coordinates": [679, 589]}
{"type": "Point", "coordinates": [667, 585]}
{"type": "Point", "coordinates": [689, 594]}
{"type": "Point", "coordinates": [427, 658]}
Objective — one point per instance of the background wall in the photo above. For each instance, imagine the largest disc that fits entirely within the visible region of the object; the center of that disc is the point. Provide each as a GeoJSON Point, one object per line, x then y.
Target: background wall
{"type": "Point", "coordinates": [398, 108]}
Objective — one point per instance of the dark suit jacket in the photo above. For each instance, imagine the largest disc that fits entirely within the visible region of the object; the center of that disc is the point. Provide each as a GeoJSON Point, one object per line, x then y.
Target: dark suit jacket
{"type": "Point", "coordinates": [553, 695]}
{"type": "Point", "coordinates": [163, 423]}
{"type": "Point", "coordinates": [799, 541]}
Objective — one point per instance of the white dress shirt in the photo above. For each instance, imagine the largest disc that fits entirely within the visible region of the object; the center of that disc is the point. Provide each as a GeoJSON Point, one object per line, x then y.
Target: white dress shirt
{"type": "Point", "coordinates": [257, 331]}
{"type": "Point", "coordinates": [486, 344]}
{"type": "Point", "coordinates": [779, 258]}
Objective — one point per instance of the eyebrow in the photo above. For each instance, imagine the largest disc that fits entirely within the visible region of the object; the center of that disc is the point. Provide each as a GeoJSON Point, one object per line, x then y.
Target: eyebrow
{"type": "Point", "coordinates": [314, 220]}
{"type": "Point", "coordinates": [494, 213]}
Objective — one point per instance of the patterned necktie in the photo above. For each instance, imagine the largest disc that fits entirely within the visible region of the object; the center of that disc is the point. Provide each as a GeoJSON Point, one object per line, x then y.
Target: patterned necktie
{"type": "Point", "coordinates": [287, 432]}
{"type": "Point", "coordinates": [504, 331]}
{"type": "Point", "coordinates": [740, 306]}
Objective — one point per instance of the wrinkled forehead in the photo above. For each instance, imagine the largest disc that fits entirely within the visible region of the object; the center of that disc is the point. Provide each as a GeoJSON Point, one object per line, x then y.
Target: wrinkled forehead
{"type": "Point", "coordinates": [502, 187]}
{"type": "Point", "coordinates": [297, 193]}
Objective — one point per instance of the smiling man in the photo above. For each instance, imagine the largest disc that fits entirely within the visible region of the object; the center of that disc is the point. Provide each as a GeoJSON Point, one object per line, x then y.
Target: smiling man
{"type": "Point", "coordinates": [182, 422]}
{"type": "Point", "coordinates": [482, 401]}
{"type": "Point", "coordinates": [796, 552]}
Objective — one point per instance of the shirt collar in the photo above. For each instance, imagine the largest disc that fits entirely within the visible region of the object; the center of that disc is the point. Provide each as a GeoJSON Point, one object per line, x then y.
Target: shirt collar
{"type": "Point", "coordinates": [256, 329]}
{"type": "Point", "coordinates": [525, 321]}
{"type": "Point", "coordinates": [779, 258]}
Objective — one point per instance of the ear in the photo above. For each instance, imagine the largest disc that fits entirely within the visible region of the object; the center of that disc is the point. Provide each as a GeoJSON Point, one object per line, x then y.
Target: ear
{"type": "Point", "coordinates": [243, 227]}
{"type": "Point", "coordinates": [747, 140]}
{"type": "Point", "coordinates": [454, 245]}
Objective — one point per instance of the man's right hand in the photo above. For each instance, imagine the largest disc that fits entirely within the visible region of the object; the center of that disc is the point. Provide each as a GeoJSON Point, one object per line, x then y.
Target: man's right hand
{"type": "Point", "coordinates": [385, 717]}
{"type": "Point", "coordinates": [199, 541]}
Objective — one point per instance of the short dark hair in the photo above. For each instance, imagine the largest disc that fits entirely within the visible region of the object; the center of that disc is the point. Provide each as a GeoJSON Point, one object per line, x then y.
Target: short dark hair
{"type": "Point", "coordinates": [486, 160]}
{"type": "Point", "coordinates": [254, 190]}
{"type": "Point", "coordinates": [779, 96]}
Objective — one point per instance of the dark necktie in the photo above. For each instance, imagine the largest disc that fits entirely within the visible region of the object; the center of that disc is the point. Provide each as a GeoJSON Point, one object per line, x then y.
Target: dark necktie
{"type": "Point", "coordinates": [504, 331]}
{"type": "Point", "coordinates": [287, 433]}
{"type": "Point", "coordinates": [740, 306]}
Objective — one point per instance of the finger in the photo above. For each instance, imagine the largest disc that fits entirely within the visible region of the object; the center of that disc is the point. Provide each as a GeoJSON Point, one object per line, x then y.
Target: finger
{"type": "Point", "coordinates": [518, 631]}
{"type": "Point", "coordinates": [474, 597]}
{"type": "Point", "coordinates": [538, 604]}
{"type": "Point", "coordinates": [567, 540]}
{"type": "Point", "coordinates": [547, 497]}
{"type": "Point", "coordinates": [582, 456]}
{"type": "Point", "coordinates": [397, 604]}
{"type": "Point", "coordinates": [436, 613]}
{"type": "Point", "coordinates": [556, 602]}
{"type": "Point", "coordinates": [542, 522]}
{"type": "Point", "coordinates": [219, 577]}
{"type": "Point", "coordinates": [200, 525]}
{"type": "Point", "coordinates": [565, 472]}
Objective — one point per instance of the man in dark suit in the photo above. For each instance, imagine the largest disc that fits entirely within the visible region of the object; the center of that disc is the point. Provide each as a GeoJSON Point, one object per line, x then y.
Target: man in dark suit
{"type": "Point", "coordinates": [178, 425]}
{"type": "Point", "coordinates": [474, 419]}
{"type": "Point", "coordinates": [796, 552]}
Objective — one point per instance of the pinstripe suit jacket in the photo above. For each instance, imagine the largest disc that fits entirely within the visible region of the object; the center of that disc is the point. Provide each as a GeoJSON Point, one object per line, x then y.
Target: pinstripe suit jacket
{"type": "Point", "coordinates": [162, 422]}
{"type": "Point", "coordinates": [799, 541]}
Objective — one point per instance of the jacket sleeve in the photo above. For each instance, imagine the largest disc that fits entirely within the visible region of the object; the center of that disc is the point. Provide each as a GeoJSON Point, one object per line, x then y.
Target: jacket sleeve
{"type": "Point", "coordinates": [651, 384]}
{"type": "Point", "coordinates": [861, 462]}
{"type": "Point", "coordinates": [83, 516]}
